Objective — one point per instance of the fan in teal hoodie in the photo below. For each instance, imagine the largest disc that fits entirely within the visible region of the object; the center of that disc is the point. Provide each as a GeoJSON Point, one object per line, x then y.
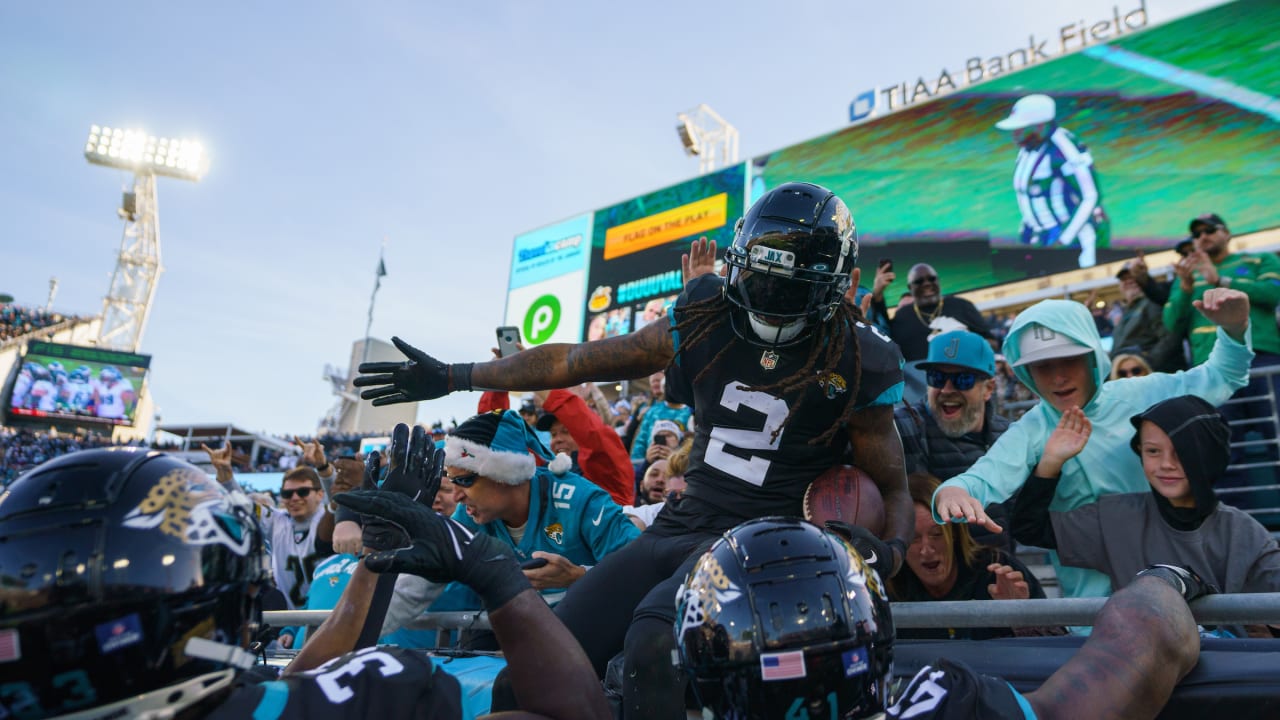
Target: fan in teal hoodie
{"type": "Point", "coordinates": [1107, 464]}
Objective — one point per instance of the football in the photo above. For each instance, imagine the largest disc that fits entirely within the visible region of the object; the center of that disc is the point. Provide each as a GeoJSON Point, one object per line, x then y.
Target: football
{"type": "Point", "coordinates": [847, 494]}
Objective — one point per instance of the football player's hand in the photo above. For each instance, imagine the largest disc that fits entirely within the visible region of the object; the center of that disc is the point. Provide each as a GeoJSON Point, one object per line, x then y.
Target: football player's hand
{"type": "Point", "coordinates": [413, 470]}
{"type": "Point", "coordinates": [421, 377]}
{"type": "Point", "coordinates": [440, 549]}
{"type": "Point", "coordinates": [953, 504]}
{"type": "Point", "coordinates": [1226, 308]}
{"type": "Point", "coordinates": [1009, 584]}
{"type": "Point", "coordinates": [559, 572]}
{"type": "Point", "coordinates": [699, 261]}
{"type": "Point", "coordinates": [875, 551]}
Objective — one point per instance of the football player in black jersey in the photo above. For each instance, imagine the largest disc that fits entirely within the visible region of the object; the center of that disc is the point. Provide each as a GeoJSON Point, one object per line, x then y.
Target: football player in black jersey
{"type": "Point", "coordinates": [782, 620]}
{"type": "Point", "coordinates": [131, 589]}
{"type": "Point", "coordinates": [784, 376]}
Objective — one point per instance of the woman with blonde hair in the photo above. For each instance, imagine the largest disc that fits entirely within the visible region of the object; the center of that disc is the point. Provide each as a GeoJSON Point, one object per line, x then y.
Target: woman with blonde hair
{"type": "Point", "coordinates": [945, 563]}
{"type": "Point", "coordinates": [1129, 364]}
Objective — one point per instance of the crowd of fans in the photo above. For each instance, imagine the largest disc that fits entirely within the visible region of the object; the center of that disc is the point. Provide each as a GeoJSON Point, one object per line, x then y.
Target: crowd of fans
{"type": "Point", "coordinates": [23, 449]}
{"type": "Point", "coordinates": [16, 320]}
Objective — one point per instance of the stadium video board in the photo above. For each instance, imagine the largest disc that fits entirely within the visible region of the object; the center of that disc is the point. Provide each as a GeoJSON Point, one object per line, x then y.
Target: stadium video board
{"type": "Point", "coordinates": [1160, 126]}
{"type": "Point", "coordinates": [68, 382]}
{"type": "Point", "coordinates": [636, 245]}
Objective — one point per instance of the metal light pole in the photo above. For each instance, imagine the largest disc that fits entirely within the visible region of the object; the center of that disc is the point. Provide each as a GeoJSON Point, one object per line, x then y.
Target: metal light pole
{"type": "Point", "coordinates": [133, 283]}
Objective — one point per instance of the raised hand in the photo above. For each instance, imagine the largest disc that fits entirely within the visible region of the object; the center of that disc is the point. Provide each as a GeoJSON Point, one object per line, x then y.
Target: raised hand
{"type": "Point", "coordinates": [1065, 442]}
{"type": "Point", "coordinates": [220, 459]}
{"type": "Point", "coordinates": [421, 377]}
{"type": "Point", "coordinates": [700, 260]}
{"type": "Point", "coordinates": [413, 470]}
{"type": "Point", "coordinates": [954, 504]}
{"type": "Point", "coordinates": [312, 452]}
{"type": "Point", "coordinates": [1009, 584]}
{"type": "Point", "coordinates": [1226, 308]}
{"type": "Point", "coordinates": [439, 549]}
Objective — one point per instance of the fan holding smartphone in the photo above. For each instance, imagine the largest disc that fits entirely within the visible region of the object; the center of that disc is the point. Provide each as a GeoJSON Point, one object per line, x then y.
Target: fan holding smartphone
{"type": "Point", "coordinates": [509, 340]}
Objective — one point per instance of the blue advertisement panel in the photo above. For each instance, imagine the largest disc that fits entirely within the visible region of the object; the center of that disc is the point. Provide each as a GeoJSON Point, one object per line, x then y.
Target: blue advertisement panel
{"type": "Point", "coordinates": [551, 251]}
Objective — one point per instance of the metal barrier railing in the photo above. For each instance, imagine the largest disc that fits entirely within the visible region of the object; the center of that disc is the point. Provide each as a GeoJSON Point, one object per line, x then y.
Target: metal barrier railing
{"type": "Point", "coordinates": [1236, 609]}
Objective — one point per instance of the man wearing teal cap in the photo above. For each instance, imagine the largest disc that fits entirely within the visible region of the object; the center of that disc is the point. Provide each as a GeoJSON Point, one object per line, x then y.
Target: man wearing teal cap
{"type": "Point", "coordinates": [956, 423]}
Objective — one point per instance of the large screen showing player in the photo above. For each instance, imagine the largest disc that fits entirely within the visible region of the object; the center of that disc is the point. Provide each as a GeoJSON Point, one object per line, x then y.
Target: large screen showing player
{"type": "Point", "coordinates": [77, 383]}
{"type": "Point", "coordinates": [1111, 149]}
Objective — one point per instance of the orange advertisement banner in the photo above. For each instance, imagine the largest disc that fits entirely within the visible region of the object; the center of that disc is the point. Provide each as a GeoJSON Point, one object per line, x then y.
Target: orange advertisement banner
{"type": "Point", "coordinates": [701, 216]}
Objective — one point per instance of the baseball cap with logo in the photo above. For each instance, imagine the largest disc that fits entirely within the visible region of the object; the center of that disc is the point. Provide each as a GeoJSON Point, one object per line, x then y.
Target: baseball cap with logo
{"type": "Point", "coordinates": [1210, 219]}
{"type": "Point", "coordinates": [1038, 342]}
{"type": "Point", "coordinates": [962, 349]}
{"type": "Point", "coordinates": [1028, 111]}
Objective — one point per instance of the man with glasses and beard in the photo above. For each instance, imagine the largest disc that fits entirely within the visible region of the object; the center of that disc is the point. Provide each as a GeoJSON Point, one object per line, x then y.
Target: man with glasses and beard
{"type": "Point", "coordinates": [956, 423]}
{"type": "Point", "coordinates": [928, 314]}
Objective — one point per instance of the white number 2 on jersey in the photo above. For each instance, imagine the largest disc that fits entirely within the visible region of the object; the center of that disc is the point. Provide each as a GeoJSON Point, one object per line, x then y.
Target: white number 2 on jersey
{"type": "Point", "coordinates": [753, 468]}
{"type": "Point", "coordinates": [328, 678]}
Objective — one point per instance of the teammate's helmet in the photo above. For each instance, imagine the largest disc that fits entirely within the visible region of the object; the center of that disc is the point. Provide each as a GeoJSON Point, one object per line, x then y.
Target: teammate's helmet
{"type": "Point", "coordinates": [109, 372]}
{"type": "Point", "coordinates": [39, 372]}
{"type": "Point", "coordinates": [56, 367]}
{"type": "Point", "coordinates": [779, 619]}
{"type": "Point", "coordinates": [789, 263]}
{"type": "Point", "coordinates": [125, 571]}
{"type": "Point", "coordinates": [80, 375]}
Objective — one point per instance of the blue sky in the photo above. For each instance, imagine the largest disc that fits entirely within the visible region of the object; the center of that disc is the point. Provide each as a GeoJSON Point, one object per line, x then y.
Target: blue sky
{"type": "Point", "coordinates": [443, 128]}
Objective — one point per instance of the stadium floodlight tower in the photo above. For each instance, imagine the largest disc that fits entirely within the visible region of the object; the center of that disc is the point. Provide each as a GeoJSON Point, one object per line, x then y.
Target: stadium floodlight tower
{"type": "Point", "coordinates": [133, 284]}
{"type": "Point", "coordinates": [707, 135]}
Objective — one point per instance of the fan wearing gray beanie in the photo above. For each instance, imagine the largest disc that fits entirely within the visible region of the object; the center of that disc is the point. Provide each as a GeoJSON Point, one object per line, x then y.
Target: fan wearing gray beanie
{"type": "Point", "coordinates": [1184, 446]}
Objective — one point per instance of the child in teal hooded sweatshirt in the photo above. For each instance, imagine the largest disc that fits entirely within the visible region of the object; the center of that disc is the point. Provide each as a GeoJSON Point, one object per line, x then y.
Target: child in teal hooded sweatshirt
{"type": "Point", "coordinates": [1055, 350]}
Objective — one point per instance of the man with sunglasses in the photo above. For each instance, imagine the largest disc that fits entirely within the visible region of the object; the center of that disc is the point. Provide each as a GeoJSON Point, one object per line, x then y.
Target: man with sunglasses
{"type": "Point", "coordinates": [929, 313]}
{"type": "Point", "coordinates": [1211, 265]}
{"type": "Point", "coordinates": [956, 423]}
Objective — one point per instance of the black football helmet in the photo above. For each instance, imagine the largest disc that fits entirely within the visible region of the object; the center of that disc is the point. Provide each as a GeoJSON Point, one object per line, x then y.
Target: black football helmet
{"type": "Point", "coordinates": [128, 583]}
{"type": "Point", "coordinates": [781, 619]}
{"type": "Point", "coordinates": [789, 263]}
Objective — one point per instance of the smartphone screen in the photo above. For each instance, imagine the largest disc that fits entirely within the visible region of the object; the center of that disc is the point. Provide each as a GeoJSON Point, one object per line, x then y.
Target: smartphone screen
{"type": "Point", "coordinates": [508, 340]}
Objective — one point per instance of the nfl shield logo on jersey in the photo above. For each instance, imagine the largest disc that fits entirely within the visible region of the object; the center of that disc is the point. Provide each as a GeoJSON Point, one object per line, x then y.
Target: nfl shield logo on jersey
{"type": "Point", "coordinates": [769, 360]}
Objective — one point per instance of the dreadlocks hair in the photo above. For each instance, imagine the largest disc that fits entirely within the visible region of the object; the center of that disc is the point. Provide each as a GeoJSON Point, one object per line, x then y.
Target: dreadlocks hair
{"type": "Point", "coordinates": [695, 321]}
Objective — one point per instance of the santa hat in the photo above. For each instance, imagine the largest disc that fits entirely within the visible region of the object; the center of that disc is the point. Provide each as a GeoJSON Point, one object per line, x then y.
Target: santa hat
{"type": "Point", "coordinates": [501, 446]}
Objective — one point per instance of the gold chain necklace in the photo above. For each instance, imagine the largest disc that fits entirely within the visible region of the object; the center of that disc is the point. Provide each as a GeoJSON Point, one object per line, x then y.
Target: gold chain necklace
{"type": "Point", "coordinates": [927, 318]}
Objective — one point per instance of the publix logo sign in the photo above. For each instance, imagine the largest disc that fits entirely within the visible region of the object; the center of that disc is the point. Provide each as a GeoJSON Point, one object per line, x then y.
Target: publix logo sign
{"type": "Point", "coordinates": [541, 319]}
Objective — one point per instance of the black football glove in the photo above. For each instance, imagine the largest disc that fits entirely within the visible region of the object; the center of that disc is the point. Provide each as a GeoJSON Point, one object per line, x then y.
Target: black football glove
{"type": "Point", "coordinates": [877, 553]}
{"type": "Point", "coordinates": [1183, 579]}
{"type": "Point", "coordinates": [413, 470]}
{"type": "Point", "coordinates": [440, 549]}
{"type": "Point", "coordinates": [421, 377]}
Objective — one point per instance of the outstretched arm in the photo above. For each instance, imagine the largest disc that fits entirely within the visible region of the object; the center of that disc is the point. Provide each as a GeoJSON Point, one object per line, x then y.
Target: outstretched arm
{"type": "Point", "coordinates": [423, 377]}
{"type": "Point", "coordinates": [637, 354]}
{"type": "Point", "coordinates": [1144, 641]}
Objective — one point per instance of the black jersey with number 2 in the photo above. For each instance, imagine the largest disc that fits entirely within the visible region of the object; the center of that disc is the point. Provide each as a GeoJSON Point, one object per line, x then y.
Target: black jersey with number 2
{"type": "Point", "coordinates": [745, 462]}
{"type": "Point", "coordinates": [383, 682]}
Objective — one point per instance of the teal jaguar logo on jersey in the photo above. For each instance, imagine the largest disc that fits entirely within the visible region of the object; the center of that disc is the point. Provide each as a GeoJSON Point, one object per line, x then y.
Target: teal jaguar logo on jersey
{"type": "Point", "coordinates": [555, 531]}
{"type": "Point", "coordinates": [833, 384]}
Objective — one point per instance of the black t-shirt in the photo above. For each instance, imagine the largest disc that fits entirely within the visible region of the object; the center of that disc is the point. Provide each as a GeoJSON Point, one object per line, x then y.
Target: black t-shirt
{"type": "Point", "coordinates": [911, 332]}
{"type": "Point", "coordinates": [950, 690]}
{"type": "Point", "coordinates": [738, 470]}
{"type": "Point", "coordinates": [383, 682]}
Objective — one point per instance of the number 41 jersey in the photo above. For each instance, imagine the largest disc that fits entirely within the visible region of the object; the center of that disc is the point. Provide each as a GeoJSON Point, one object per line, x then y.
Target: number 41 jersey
{"type": "Point", "coordinates": [745, 462]}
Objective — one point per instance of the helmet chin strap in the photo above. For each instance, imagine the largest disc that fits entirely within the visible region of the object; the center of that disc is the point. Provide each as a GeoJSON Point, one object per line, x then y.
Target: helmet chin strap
{"type": "Point", "coordinates": [776, 334]}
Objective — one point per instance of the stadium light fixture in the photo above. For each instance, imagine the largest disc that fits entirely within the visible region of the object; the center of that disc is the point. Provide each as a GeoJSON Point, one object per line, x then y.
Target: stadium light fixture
{"type": "Point", "coordinates": [141, 152]}
{"type": "Point", "coordinates": [709, 137]}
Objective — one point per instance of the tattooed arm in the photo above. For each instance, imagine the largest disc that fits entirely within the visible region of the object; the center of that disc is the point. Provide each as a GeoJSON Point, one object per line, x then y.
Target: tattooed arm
{"type": "Point", "coordinates": [877, 449]}
{"type": "Point", "coordinates": [637, 354]}
{"type": "Point", "coordinates": [1144, 641]}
